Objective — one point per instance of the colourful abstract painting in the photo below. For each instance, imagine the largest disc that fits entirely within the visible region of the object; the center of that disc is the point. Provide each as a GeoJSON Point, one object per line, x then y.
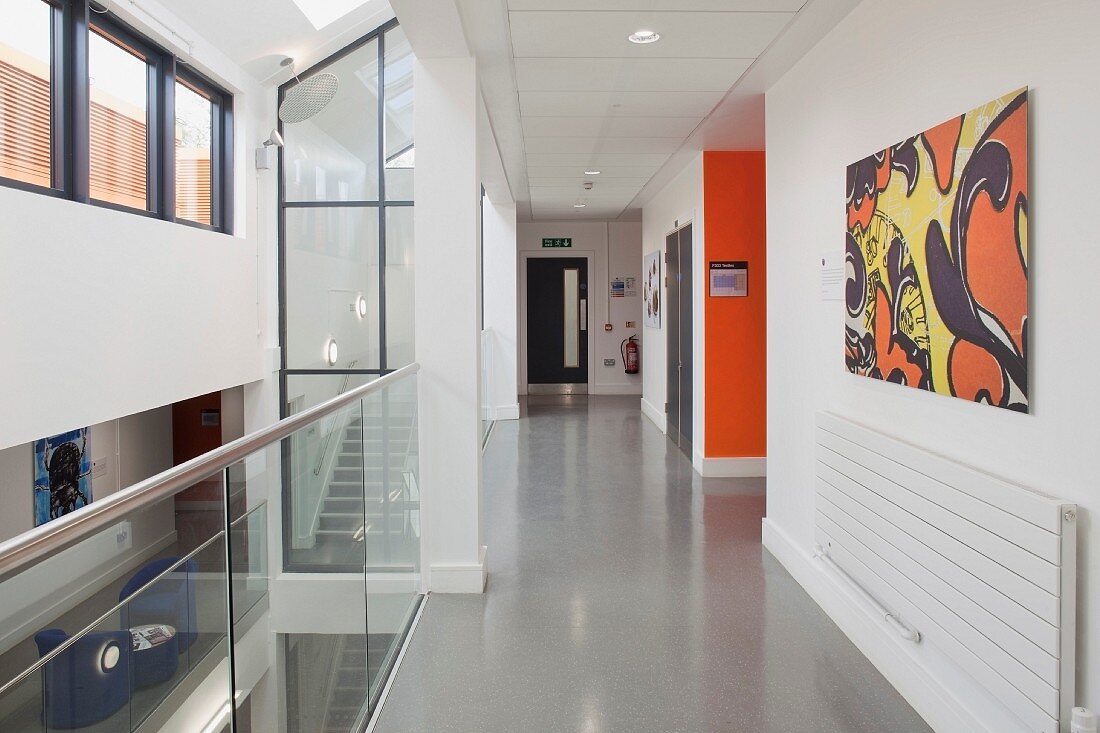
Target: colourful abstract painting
{"type": "Point", "coordinates": [936, 258]}
{"type": "Point", "coordinates": [62, 475]}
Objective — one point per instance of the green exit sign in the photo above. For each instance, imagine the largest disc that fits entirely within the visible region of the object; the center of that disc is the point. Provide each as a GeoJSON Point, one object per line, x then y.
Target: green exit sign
{"type": "Point", "coordinates": [557, 241]}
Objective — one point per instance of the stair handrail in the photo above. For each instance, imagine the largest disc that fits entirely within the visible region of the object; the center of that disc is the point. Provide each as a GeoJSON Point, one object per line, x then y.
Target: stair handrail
{"type": "Point", "coordinates": [328, 438]}
{"type": "Point", "coordinates": [34, 544]}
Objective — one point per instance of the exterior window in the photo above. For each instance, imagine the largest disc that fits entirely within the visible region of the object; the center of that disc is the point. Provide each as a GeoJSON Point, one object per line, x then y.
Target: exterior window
{"type": "Point", "coordinates": [119, 123]}
{"type": "Point", "coordinates": [194, 155]}
{"type": "Point", "coordinates": [26, 104]}
{"type": "Point", "coordinates": [94, 112]}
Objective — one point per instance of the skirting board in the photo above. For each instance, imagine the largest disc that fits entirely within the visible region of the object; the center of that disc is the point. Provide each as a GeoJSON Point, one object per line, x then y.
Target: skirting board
{"type": "Point", "coordinates": [507, 412]}
{"type": "Point", "coordinates": [461, 578]}
{"type": "Point", "coordinates": [657, 416]}
{"type": "Point", "coordinates": [729, 467]}
{"type": "Point", "coordinates": [931, 698]}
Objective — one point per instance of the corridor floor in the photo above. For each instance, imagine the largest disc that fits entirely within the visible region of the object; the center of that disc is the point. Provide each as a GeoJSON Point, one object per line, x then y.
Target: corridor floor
{"type": "Point", "coordinates": [627, 594]}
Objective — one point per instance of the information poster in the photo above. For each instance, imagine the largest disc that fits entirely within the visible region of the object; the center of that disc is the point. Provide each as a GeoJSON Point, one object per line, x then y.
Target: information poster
{"type": "Point", "coordinates": [729, 279]}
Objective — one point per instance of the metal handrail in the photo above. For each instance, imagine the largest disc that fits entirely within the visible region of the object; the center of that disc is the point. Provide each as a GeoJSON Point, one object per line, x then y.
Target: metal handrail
{"type": "Point", "coordinates": [32, 545]}
{"type": "Point", "coordinates": [328, 438]}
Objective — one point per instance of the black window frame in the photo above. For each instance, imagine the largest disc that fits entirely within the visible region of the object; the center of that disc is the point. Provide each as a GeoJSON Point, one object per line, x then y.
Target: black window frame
{"type": "Point", "coordinates": [72, 22]}
{"type": "Point", "coordinates": [221, 146]}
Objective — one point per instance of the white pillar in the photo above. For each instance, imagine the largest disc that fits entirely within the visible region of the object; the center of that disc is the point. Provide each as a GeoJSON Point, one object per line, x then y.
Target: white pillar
{"type": "Point", "coordinates": [501, 305]}
{"type": "Point", "coordinates": [448, 329]}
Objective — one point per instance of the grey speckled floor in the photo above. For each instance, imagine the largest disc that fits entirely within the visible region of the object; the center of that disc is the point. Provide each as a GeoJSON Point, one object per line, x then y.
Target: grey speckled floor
{"type": "Point", "coordinates": [627, 594]}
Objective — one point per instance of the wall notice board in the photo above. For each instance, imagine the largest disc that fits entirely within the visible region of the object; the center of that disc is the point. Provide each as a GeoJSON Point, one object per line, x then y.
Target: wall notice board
{"type": "Point", "coordinates": [729, 279]}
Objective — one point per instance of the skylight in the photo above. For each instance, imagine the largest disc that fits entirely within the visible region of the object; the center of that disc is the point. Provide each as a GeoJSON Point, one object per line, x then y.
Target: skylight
{"type": "Point", "coordinates": [325, 12]}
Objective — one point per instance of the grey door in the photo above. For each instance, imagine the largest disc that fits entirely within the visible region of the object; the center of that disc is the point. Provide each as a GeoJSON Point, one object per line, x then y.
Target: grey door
{"type": "Point", "coordinates": [679, 353]}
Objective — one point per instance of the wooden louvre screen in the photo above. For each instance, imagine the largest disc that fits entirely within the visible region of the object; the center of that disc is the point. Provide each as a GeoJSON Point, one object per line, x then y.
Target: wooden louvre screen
{"type": "Point", "coordinates": [119, 141]}
{"type": "Point", "coordinates": [24, 125]}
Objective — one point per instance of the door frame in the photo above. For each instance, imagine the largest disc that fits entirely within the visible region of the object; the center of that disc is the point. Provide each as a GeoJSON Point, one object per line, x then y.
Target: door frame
{"type": "Point", "coordinates": [696, 354]}
{"type": "Point", "coordinates": [521, 320]}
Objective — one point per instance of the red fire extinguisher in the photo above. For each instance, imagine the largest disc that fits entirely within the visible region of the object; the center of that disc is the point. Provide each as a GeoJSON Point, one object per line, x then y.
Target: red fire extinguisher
{"type": "Point", "coordinates": [629, 349]}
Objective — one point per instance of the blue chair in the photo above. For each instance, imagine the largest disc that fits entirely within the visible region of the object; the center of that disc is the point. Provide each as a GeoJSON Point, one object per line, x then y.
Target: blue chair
{"type": "Point", "coordinates": [86, 683]}
{"type": "Point", "coordinates": [171, 601]}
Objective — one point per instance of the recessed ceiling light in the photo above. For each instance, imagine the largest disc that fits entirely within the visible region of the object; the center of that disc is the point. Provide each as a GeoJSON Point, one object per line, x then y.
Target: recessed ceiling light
{"type": "Point", "coordinates": [644, 37]}
{"type": "Point", "coordinates": [579, 206]}
{"type": "Point", "coordinates": [592, 173]}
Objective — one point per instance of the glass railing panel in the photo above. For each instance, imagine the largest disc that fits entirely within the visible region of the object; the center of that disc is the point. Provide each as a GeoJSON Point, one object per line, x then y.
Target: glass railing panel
{"type": "Point", "coordinates": [324, 483]}
{"type": "Point", "coordinates": [112, 669]}
{"type": "Point", "coordinates": [486, 382]}
{"type": "Point", "coordinates": [21, 704]}
{"type": "Point", "coordinates": [393, 538]}
{"type": "Point", "coordinates": [152, 593]}
{"type": "Point", "coordinates": [179, 632]}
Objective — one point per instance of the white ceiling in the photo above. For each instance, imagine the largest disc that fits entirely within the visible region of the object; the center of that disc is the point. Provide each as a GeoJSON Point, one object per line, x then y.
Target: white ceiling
{"type": "Point", "coordinates": [564, 89]}
{"type": "Point", "coordinates": [258, 34]}
{"type": "Point", "coordinates": [567, 92]}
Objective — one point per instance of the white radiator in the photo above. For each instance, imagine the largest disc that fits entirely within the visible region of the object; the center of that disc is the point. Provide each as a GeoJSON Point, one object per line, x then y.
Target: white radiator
{"type": "Point", "coordinates": [983, 569]}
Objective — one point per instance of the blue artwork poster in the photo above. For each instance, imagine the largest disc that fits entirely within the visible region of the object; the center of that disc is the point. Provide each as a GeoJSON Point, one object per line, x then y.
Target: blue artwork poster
{"type": "Point", "coordinates": [62, 475]}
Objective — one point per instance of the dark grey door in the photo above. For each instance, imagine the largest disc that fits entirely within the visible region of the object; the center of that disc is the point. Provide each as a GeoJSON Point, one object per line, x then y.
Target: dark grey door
{"type": "Point", "coordinates": [672, 318]}
{"type": "Point", "coordinates": [557, 325]}
{"type": "Point", "coordinates": [680, 332]}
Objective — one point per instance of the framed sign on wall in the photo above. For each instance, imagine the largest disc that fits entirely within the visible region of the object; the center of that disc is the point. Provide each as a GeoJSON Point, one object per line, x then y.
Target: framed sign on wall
{"type": "Point", "coordinates": [729, 279]}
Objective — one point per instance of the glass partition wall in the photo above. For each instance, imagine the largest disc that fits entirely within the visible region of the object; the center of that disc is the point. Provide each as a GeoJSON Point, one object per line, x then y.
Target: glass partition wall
{"type": "Point", "coordinates": [350, 496]}
{"type": "Point", "coordinates": [346, 245]}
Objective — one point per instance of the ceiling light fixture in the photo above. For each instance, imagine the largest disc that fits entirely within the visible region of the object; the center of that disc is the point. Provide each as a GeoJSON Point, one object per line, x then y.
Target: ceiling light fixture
{"type": "Point", "coordinates": [643, 37]}
{"type": "Point", "coordinates": [579, 206]}
{"type": "Point", "coordinates": [592, 173]}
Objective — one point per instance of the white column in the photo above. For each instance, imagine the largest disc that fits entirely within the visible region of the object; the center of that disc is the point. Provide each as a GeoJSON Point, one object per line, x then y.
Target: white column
{"type": "Point", "coordinates": [448, 328]}
{"type": "Point", "coordinates": [501, 307]}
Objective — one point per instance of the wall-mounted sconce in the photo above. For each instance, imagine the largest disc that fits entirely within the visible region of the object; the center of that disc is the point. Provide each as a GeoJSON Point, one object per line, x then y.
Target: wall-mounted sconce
{"type": "Point", "coordinates": [361, 306]}
{"type": "Point", "coordinates": [332, 352]}
{"type": "Point", "coordinates": [263, 153]}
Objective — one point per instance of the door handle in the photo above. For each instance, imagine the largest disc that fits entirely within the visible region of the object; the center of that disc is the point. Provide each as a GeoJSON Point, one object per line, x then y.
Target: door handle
{"type": "Point", "coordinates": [584, 315]}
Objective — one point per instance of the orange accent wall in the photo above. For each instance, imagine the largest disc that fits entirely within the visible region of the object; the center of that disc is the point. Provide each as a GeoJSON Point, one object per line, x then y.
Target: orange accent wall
{"type": "Point", "coordinates": [735, 328]}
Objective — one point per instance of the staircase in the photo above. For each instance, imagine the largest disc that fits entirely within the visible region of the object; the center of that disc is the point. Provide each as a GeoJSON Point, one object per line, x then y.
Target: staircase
{"type": "Point", "coordinates": [358, 660]}
{"type": "Point", "coordinates": [373, 456]}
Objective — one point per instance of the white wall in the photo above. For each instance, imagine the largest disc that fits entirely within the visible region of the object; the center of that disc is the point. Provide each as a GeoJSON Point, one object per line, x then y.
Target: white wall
{"type": "Point", "coordinates": [680, 201]}
{"type": "Point", "coordinates": [448, 327]}
{"type": "Point", "coordinates": [500, 307]}
{"type": "Point", "coordinates": [109, 313]}
{"type": "Point", "coordinates": [130, 449]}
{"type": "Point", "coordinates": [620, 240]}
{"type": "Point", "coordinates": [860, 90]}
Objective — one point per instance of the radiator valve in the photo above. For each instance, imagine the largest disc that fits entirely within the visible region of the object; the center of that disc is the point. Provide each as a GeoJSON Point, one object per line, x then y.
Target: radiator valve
{"type": "Point", "coordinates": [1083, 721]}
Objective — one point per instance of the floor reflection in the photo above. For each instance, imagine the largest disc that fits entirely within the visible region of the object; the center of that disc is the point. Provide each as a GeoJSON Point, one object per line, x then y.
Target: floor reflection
{"type": "Point", "coordinates": [628, 594]}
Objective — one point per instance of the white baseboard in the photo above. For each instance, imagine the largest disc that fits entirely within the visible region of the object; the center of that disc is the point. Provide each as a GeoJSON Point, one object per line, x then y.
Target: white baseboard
{"type": "Point", "coordinates": [657, 416]}
{"type": "Point", "coordinates": [729, 467]}
{"type": "Point", "coordinates": [930, 697]}
{"type": "Point", "coordinates": [507, 412]}
{"type": "Point", "coordinates": [614, 389]}
{"type": "Point", "coordinates": [461, 578]}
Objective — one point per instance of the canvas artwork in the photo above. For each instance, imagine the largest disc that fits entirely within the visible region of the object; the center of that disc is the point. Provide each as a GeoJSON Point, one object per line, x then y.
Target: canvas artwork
{"type": "Point", "coordinates": [62, 475]}
{"type": "Point", "coordinates": [651, 289]}
{"type": "Point", "coordinates": [936, 258]}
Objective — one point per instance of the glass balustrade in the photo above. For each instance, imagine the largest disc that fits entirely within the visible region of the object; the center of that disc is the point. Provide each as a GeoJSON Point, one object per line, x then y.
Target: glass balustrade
{"type": "Point", "coordinates": [487, 411]}
{"type": "Point", "coordinates": [169, 607]}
